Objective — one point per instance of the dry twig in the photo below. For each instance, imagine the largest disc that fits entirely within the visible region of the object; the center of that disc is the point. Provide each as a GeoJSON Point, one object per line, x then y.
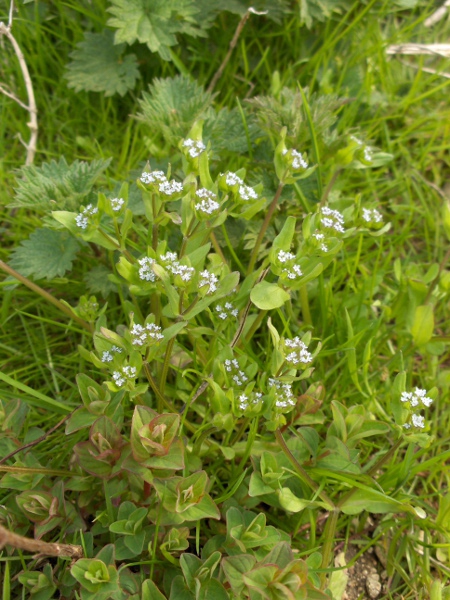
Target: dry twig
{"type": "Point", "coordinates": [6, 30]}
{"type": "Point", "coordinates": [38, 547]}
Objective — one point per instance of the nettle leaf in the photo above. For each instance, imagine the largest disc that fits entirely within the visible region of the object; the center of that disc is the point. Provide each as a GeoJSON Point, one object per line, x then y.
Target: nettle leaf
{"type": "Point", "coordinates": [98, 282]}
{"type": "Point", "coordinates": [320, 10]}
{"type": "Point", "coordinates": [172, 106]}
{"type": "Point", "coordinates": [57, 185]}
{"type": "Point", "coordinates": [45, 254]}
{"type": "Point", "coordinates": [154, 22]}
{"type": "Point", "coordinates": [99, 66]}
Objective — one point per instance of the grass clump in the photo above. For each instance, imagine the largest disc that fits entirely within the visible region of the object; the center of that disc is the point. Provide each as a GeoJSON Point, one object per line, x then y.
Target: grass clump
{"type": "Point", "coordinates": [224, 321]}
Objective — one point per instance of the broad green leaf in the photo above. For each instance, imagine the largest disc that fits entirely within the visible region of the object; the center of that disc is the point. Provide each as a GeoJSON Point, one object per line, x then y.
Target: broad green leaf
{"type": "Point", "coordinates": [267, 296]}
{"type": "Point", "coordinates": [423, 324]}
{"type": "Point", "coordinates": [290, 502]}
{"type": "Point", "coordinates": [100, 66]}
{"type": "Point", "coordinates": [45, 254]}
{"type": "Point", "coordinates": [150, 591]}
{"type": "Point", "coordinates": [374, 502]}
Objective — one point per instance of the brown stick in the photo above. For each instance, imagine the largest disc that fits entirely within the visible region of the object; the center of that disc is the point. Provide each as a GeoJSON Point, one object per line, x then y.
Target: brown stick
{"type": "Point", "coordinates": [37, 546]}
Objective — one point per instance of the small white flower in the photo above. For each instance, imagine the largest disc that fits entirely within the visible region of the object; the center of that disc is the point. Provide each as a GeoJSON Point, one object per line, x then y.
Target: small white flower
{"type": "Point", "coordinates": [285, 256]}
{"type": "Point", "coordinates": [223, 312]}
{"type": "Point", "coordinates": [169, 257]}
{"type": "Point", "coordinates": [284, 397]}
{"type": "Point", "coordinates": [175, 267]}
{"type": "Point", "coordinates": [415, 397]}
{"type": "Point", "coordinates": [300, 352]}
{"type": "Point", "coordinates": [237, 375]}
{"type": "Point", "coordinates": [208, 204]}
{"type": "Point", "coordinates": [371, 215]}
{"type": "Point", "coordinates": [142, 335]}
{"type": "Point", "coordinates": [367, 154]}
{"type": "Point", "coordinates": [210, 280]}
{"type": "Point", "coordinates": [233, 179]}
{"type": "Point", "coordinates": [120, 377]}
{"type": "Point", "coordinates": [107, 356]}
{"type": "Point", "coordinates": [82, 219]}
{"type": "Point", "coordinates": [195, 148]}
{"type": "Point", "coordinates": [247, 401]}
{"type": "Point", "coordinates": [153, 177]}
{"type": "Point", "coordinates": [294, 272]}
{"type": "Point", "coordinates": [117, 203]}
{"type": "Point", "coordinates": [298, 162]}
{"type": "Point", "coordinates": [418, 421]}
{"type": "Point", "coordinates": [332, 219]}
{"type": "Point", "coordinates": [247, 193]}
{"type": "Point", "coordinates": [146, 272]}
{"type": "Point", "coordinates": [170, 188]}
{"type": "Point", "coordinates": [116, 349]}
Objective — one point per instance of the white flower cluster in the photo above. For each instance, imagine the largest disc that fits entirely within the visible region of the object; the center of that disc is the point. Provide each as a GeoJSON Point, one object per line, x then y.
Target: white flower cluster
{"type": "Point", "coordinates": [366, 149]}
{"type": "Point", "coordinates": [320, 237]}
{"type": "Point", "coordinates": [120, 377]}
{"type": "Point", "coordinates": [208, 203]}
{"type": "Point", "coordinates": [284, 397]}
{"type": "Point", "coordinates": [195, 147]}
{"type": "Point", "coordinates": [225, 311]}
{"type": "Point", "coordinates": [107, 356]}
{"type": "Point", "coordinates": [246, 401]}
{"type": "Point", "coordinates": [170, 188]}
{"type": "Point", "coordinates": [245, 192]}
{"type": "Point", "coordinates": [146, 272]}
{"type": "Point", "coordinates": [332, 219]}
{"type": "Point", "coordinates": [82, 219]}
{"type": "Point", "coordinates": [298, 162]}
{"type": "Point", "coordinates": [117, 203]}
{"type": "Point", "coordinates": [166, 187]}
{"type": "Point", "coordinates": [238, 376]}
{"type": "Point", "coordinates": [142, 335]}
{"type": "Point", "coordinates": [294, 272]}
{"type": "Point", "coordinates": [210, 280]}
{"type": "Point", "coordinates": [153, 177]}
{"type": "Point", "coordinates": [300, 352]}
{"type": "Point", "coordinates": [285, 256]}
{"type": "Point", "coordinates": [173, 265]}
{"type": "Point", "coordinates": [415, 398]}
{"type": "Point", "coordinates": [371, 215]}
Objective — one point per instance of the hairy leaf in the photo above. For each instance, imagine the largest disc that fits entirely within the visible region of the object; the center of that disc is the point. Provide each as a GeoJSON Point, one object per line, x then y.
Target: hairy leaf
{"type": "Point", "coordinates": [45, 254]}
{"type": "Point", "coordinates": [173, 105]}
{"type": "Point", "coordinates": [97, 281]}
{"type": "Point", "coordinates": [99, 66]}
{"type": "Point", "coordinates": [154, 22]}
{"type": "Point", "coordinates": [57, 185]}
{"type": "Point", "coordinates": [320, 10]}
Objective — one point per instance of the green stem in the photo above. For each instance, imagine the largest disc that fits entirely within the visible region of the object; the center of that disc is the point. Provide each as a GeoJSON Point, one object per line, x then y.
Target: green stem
{"type": "Point", "coordinates": [217, 248]}
{"type": "Point", "coordinates": [231, 249]}
{"type": "Point", "coordinates": [265, 225]}
{"type": "Point", "coordinates": [329, 187]}
{"type": "Point", "coordinates": [46, 295]}
{"type": "Point", "coordinates": [165, 370]}
{"type": "Point", "coordinates": [256, 323]}
{"type": "Point", "coordinates": [327, 549]}
{"type": "Point", "coordinates": [301, 471]}
{"type": "Point", "coordinates": [115, 243]}
{"type": "Point", "coordinates": [160, 398]}
{"type": "Point", "coordinates": [304, 302]}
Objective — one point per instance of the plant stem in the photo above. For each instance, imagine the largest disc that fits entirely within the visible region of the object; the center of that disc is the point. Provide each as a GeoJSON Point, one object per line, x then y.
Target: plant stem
{"type": "Point", "coordinates": [265, 225]}
{"type": "Point", "coordinates": [256, 323]}
{"type": "Point", "coordinates": [47, 296]}
{"type": "Point", "coordinates": [301, 471]}
{"type": "Point", "coordinates": [327, 549]}
{"type": "Point", "coordinates": [231, 249]}
{"type": "Point", "coordinates": [304, 302]}
{"type": "Point", "coordinates": [38, 546]}
{"type": "Point", "coordinates": [162, 381]}
{"type": "Point", "coordinates": [329, 187]}
{"type": "Point", "coordinates": [217, 248]}
{"type": "Point", "coordinates": [161, 399]}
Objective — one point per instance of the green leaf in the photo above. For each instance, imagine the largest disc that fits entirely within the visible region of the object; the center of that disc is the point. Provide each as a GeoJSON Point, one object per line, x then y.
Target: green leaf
{"type": "Point", "coordinates": [172, 106]}
{"type": "Point", "coordinates": [57, 185]}
{"type": "Point", "coordinates": [150, 591]}
{"type": "Point", "coordinates": [267, 296]}
{"type": "Point", "coordinates": [154, 22]}
{"type": "Point", "coordinates": [99, 66]}
{"type": "Point", "coordinates": [98, 282]}
{"type": "Point", "coordinates": [423, 324]}
{"type": "Point", "coordinates": [45, 254]}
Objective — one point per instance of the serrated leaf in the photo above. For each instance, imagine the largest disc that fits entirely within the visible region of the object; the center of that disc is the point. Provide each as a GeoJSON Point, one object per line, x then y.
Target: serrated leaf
{"type": "Point", "coordinates": [99, 66]}
{"type": "Point", "coordinates": [45, 254]}
{"type": "Point", "coordinates": [154, 22]}
{"type": "Point", "coordinates": [172, 106]}
{"type": "Point", "coordinates": [57, 185]}
{"type": "Point", "coordinates": [97, 281]}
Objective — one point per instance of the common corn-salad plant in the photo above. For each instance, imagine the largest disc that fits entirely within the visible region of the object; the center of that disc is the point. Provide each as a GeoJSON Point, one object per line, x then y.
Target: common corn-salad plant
{"type": "Point", "coordinates": [247, 345]}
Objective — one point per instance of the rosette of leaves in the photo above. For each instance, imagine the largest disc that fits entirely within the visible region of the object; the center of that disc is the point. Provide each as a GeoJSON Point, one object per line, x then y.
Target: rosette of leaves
{"type": "Point", "coordinates": [101, 452]}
